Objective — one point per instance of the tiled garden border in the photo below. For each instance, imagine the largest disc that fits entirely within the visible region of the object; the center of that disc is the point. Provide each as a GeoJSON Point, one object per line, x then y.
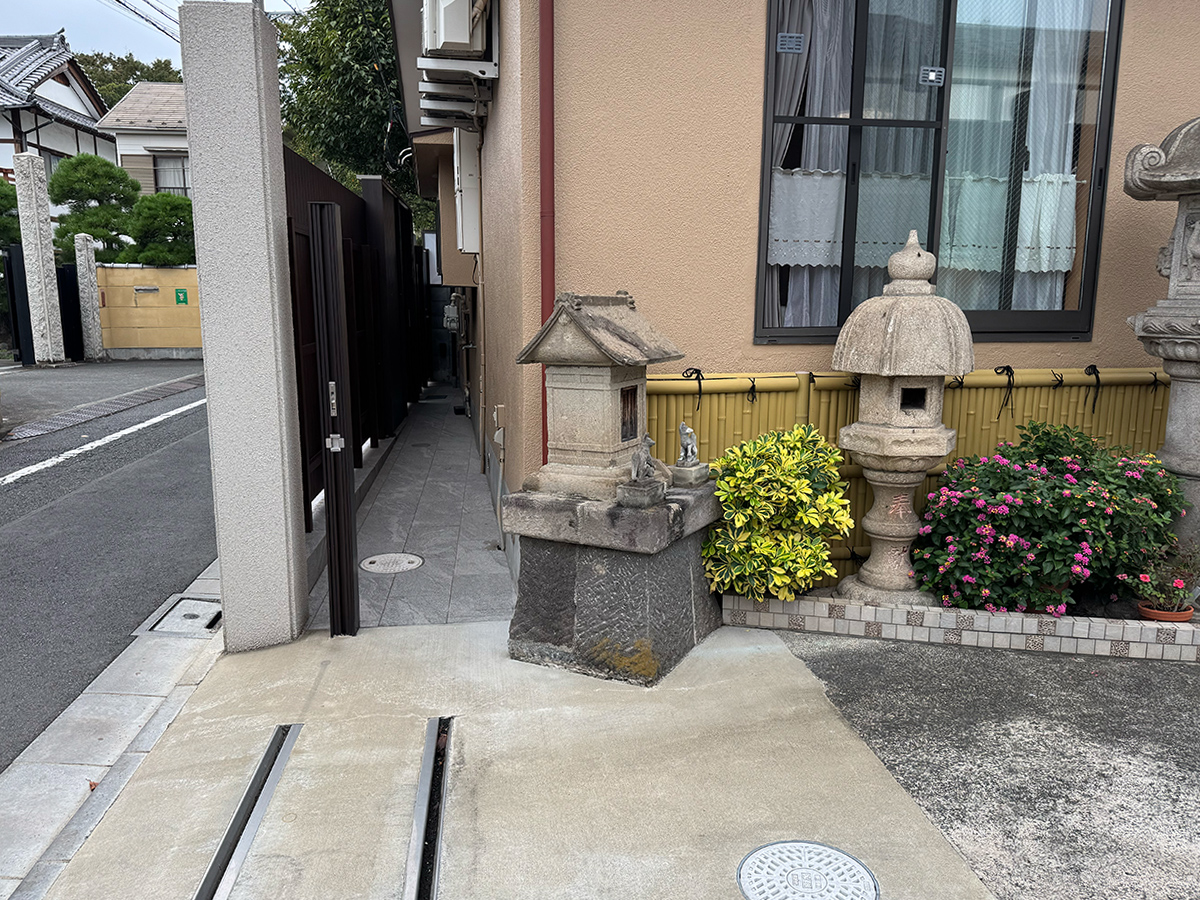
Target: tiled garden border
{"type": "Point", "coordinates": [1177, 642]}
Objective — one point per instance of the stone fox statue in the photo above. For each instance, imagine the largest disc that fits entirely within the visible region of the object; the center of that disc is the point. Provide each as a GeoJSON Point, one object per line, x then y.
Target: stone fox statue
{"type": "Point", "coordinates": [687, 446]}
{"type": "Point", "coordinates": [642, 466]}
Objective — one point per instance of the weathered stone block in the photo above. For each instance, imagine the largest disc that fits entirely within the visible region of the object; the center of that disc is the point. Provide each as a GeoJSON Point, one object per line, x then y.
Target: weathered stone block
{"type": "Point", "coordinates": [612, 613]}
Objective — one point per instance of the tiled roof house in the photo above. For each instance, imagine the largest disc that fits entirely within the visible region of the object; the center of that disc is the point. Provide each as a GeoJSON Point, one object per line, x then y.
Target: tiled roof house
{"type": "Point", "coordinates": [47, 103]}
{"type": "Point", "coordinates": [151, 130]}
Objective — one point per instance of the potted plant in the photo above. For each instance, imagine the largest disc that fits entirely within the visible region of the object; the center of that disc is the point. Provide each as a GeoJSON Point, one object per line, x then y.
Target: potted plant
{"type": "Point", "coordinates": [1168, 588]}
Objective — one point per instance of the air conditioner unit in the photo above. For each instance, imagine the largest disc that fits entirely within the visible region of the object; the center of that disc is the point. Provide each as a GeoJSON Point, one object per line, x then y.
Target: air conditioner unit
{"type": "Point", "coordinates": [449, 30]}
{"type": "Point", "coordinates": [466, 191]}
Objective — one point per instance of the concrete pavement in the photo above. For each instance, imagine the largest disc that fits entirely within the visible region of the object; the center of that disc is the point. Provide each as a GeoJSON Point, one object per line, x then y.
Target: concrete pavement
{"type": "Point", "coordinates": [560, 785]}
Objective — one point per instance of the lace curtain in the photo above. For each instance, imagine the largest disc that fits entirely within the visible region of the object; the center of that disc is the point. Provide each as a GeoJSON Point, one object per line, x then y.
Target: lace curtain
{"type": "Point", "coordinates": [805, 216]}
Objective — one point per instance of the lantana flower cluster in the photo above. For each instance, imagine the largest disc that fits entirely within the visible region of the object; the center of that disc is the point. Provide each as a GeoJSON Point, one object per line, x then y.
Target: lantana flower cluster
{"type": "Point", "coordinates": [1038, 526]}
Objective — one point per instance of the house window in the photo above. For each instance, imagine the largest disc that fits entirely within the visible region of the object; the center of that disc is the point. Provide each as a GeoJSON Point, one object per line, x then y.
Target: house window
{"type": "Point", "coordinates": [983, 124]}
{"type": "Point", "coordinates": [172, 176]}
{"type": "Point", "coordinates": [52, 160]}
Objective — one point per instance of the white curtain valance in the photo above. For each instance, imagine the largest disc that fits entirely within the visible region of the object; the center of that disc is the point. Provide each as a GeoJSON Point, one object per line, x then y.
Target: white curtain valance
{"type": "Point", "coordinates": [805, 220]}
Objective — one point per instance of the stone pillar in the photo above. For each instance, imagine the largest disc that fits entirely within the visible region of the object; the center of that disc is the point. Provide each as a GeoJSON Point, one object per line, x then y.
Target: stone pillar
{"type": "Point", "coordinates": [37, 241]}
{"type": "Point", "coordinates": [89, 297]}
{"type": "Point", "coordinates": [240, 214]}
{"type": "Point", "coordinates": [1170, 329]}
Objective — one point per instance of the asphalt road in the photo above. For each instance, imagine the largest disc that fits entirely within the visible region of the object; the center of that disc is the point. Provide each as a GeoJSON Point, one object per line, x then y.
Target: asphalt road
{"type": "Point", "coordinates": [92, 546]}
{"type": "Point", "coordinates": [1057, 777]}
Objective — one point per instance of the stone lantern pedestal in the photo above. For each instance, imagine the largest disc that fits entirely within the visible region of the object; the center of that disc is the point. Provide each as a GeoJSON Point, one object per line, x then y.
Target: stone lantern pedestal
{"type": "Point", "coordinates": [1170, 330]}
{"type": "Point", "coordinates": [904, 344]}
{"type": "Point", "coordinates": [611, 583]}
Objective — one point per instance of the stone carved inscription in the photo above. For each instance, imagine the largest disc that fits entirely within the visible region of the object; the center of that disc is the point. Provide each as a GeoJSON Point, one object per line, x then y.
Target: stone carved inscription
{"type": "Point", "coordinates": [1191, 249]}
{"type": "Point", "coordinates": [901, 505]}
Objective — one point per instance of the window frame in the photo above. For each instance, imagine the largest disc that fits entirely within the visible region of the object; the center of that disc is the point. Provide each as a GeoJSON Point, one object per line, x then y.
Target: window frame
{"type": "Point", "coordinates": [986, 325]}
{"type": "Point", "coordinates": [186, 169]}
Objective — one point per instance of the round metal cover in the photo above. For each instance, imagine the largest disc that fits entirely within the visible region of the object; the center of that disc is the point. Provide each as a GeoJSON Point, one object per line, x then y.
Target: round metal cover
{"type": "Point", "coordinates": [804, 870]}
{"type": "Point", "coordinates": [391, 563]}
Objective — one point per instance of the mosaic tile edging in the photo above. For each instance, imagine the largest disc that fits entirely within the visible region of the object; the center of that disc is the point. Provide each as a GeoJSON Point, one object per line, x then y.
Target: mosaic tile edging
{"type": "Point", "coordinates": [1077, 635]}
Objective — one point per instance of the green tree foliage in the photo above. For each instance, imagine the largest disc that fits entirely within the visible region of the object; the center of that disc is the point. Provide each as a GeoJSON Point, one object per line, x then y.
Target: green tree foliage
{"type": "Point", "coordinates": [99, 196]}
{"type": "Point", "coordinates": [10, 228]}
{"type": "Point", "coordinates": [161, 228]}
{"type": "Point", "coordinates": [341, 98]}
{"type": "Point", "coordinates": [114, 75]}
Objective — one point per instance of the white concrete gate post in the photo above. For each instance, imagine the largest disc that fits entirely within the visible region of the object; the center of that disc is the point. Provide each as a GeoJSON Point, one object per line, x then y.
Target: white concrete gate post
{"type": "Point", "coordinates": [37, 242]}
{"type": "Point", "coordinates": [235, 142]}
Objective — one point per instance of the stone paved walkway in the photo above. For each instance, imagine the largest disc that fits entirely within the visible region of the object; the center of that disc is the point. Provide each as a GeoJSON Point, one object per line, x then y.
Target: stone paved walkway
{"type": "Point", "coordinates": [431, 500]}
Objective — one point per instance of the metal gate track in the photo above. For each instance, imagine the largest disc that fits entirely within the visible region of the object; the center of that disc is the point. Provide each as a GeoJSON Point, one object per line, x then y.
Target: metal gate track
{"type": "Point", "coordinates": [102, 408]}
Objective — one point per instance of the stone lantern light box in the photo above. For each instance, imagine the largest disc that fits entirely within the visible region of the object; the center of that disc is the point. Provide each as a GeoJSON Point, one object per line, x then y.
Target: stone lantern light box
{"type": "Point", "coordinates": [596, 350]}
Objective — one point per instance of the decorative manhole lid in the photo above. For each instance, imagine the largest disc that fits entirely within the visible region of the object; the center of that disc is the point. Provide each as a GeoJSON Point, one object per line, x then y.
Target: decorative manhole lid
{"type": "Point", "coordinates": [391, 563]}
{"type": "Point", "coordinates": [804, 870]}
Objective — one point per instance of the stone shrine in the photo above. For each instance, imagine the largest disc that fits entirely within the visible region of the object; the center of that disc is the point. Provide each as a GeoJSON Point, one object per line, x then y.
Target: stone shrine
{"type": "Point", "coordinates": [1170, 329]}
{"type": "Point", "coordinates": [904, 344]}
{"type": "Point", "coordinates": [611, 580]}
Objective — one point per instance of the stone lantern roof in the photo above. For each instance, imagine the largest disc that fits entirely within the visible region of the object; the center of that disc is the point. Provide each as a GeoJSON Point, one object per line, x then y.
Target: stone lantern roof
{"type": "Point", "coordinates": [1166, 172]}
{"type": "Point", "coordinates": [909, 330]}
{"type": "Point", "coordinates": [597, 331]}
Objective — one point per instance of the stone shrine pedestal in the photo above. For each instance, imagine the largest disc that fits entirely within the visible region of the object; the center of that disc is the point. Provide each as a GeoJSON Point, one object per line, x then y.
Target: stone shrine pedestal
{"type": "Point", "coordinates": [609, 590]}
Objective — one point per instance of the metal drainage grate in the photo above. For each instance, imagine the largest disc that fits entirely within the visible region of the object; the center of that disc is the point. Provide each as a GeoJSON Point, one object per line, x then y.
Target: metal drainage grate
{"type": "Point", "coordinates": [804, 870]}
{"type": "Point", "coordinates": [391, 563]}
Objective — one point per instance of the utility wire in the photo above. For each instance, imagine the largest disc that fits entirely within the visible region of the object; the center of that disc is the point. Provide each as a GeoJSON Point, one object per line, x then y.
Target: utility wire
{"type": "Point", "coordinates": [153, 23]}
{"type": "Point", "coordinates": [170, 17]}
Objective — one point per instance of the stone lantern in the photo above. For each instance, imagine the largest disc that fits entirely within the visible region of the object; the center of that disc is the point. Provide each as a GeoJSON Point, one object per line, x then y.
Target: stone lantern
{"type": "Point", "coordinates": [903, 344]}
{"type": "Point", "coordinates": [1170, 330]}
{"type": "Point", "coordinates": [611, 581]}
{"type": "Point", "coordinates": [595, 350]}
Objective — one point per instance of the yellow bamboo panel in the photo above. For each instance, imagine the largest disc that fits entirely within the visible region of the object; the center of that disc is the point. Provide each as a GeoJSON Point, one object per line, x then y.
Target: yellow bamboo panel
{"type": "Point", "coordinates": [1129, 409]}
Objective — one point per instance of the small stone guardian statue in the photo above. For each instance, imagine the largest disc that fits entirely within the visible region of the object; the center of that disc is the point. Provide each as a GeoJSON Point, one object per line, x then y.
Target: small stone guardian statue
{"type": "Point", "coordinates": [645, 486]}
{"type": "Point", "coordinates": [687, 446]}
{"type": "Point", "coordinates": [688, 471]}
{"type": "Point", "coordinates": [642, 468]}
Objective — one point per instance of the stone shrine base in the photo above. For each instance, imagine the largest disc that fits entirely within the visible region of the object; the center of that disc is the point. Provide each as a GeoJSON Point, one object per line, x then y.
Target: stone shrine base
{"type": "Point", "coordinates": [608, 590]}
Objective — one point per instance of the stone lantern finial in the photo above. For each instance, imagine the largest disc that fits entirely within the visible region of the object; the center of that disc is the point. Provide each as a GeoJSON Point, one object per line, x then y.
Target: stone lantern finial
{"type": "Point", "coordinates": [911, 263]}
{"type": "Point", "coordinates": [1170, 329]}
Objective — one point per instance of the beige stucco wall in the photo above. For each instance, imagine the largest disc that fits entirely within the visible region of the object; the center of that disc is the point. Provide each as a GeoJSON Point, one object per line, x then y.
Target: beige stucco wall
{"type": "Point", "coordinates": [147, 319]}
{"type": "Point", "coordinates": [658, 150]}
{"type": "Point", "coordinates": [511, 259]}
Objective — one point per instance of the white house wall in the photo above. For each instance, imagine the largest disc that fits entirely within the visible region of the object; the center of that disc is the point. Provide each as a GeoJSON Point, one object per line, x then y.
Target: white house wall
{"type": "Point", "coordinates": [66, 95]}
{"type": "Point", "coordinates": [136, 142]}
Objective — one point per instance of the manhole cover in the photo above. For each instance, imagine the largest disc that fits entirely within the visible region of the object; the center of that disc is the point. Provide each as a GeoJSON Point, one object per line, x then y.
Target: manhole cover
{"type": "Point", "coordinates": [391, 563]}
{"type": "Point", "coordinates": [803, 870]}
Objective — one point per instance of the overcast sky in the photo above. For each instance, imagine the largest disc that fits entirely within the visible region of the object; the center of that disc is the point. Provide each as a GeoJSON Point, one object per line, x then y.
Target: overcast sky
{"type": "Point", "coordinates": [98, 26]}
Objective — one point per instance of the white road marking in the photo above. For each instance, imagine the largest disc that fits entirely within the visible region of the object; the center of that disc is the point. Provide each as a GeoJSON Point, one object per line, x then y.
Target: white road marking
{"type": "Point", "coordinates": [87, 448]}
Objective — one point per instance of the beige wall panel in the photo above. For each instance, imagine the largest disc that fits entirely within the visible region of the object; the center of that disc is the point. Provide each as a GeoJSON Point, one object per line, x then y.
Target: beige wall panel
{"type": "Point", "coordinates": [659, 131]}
{"type": "Point", "coordinates": [511, 278]}
{"type": "Point", "coordinates": [151, 337]}
{"type": "Point", "coordinates": [152, 317]}
{"type": "Point", "coordinates": [458, 269]}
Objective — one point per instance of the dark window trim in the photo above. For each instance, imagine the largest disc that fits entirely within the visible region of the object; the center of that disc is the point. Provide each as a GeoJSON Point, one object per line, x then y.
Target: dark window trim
{"type": "Point", "coordinates": [987, 326]}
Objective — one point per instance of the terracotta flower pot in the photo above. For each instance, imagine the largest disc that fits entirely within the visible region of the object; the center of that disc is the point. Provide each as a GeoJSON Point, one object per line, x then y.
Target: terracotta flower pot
{"type": "Point", "coordinates": [1163, 615]}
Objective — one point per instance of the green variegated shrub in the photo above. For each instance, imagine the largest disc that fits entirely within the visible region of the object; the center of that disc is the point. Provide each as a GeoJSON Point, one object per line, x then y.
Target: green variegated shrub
{"type": "Point", "coordinates": [782, 501]}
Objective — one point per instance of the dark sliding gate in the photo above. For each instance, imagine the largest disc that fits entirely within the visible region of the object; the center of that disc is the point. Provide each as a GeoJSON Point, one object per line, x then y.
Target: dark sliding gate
{"type": "Point", "coordinates": [355, 300]}
{"type": "Point", "coordinates": [18, 307]}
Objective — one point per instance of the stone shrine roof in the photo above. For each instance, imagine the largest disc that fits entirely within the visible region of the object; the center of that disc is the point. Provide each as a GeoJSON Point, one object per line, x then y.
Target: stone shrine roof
{"type": "Point", "coordinates": [597, 331]}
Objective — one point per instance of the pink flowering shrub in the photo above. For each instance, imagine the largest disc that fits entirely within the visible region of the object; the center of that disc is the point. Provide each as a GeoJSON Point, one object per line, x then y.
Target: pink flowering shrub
{"type": "Point", "coordinates": [1170, 579]}
{"type": "Point", "coordinates": [1043, 524]}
